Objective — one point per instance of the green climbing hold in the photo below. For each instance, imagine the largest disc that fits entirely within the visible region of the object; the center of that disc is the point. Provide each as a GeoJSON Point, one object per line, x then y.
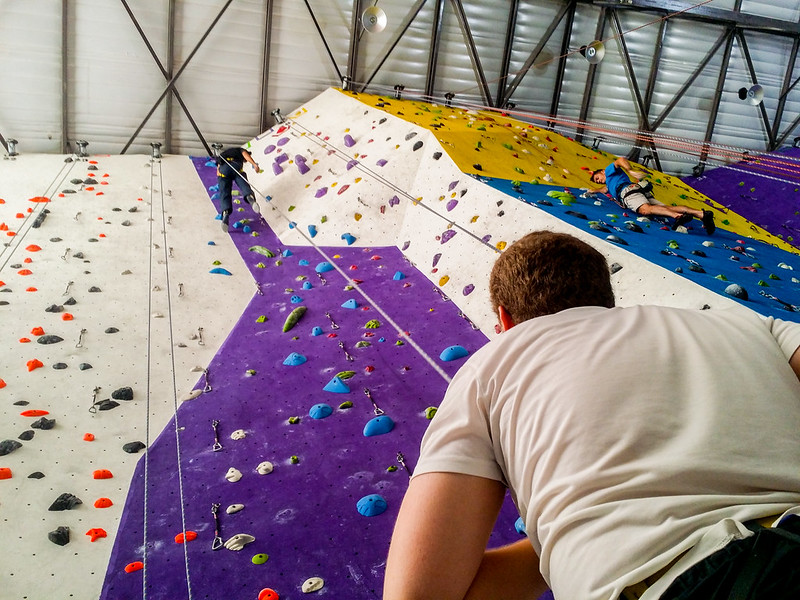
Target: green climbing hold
{"type": "Point", "coordinates": [430, 412]}
{"type": "Point", "coordinates": [726, 222]}
{"type": "Point", "coordinates": [763, 283]}
{"type": "Point", "coordinates": [508, 146]}
{"type": "Point", "coordinates": [346, 404]}
{"type": "Point", "coordinates": [293, 318]}
{"type": "Point", "coordinates": [261, 319]}
{"type": "Point", "coordinates": [363, 344]}
{"type": "Point", "coordinates": [391, 469]}
{"type": "Point", "coordinates": [261, 266]}
{"type": "Point", "coordinates": [261, 250]}
{"type": "Point", "coordinates": [216, 262]}
{"type": "Point", "coordinates": [344, 375]}
{"type": "Point", "coordinates": [773, 276]}
{"type": "Point", "coordinates": [399, 343]}
{"type": "Point", "coordinates": [290, 209]}
{"type": "Point", "coordinates": [260, 559]}
{"type": "Point", "coordinates": [294, 420]}
{"type": "Point", "coordinates": [756, 265]}
{"type": "Point", "coordinates": [673, 244]}
{"type": "Point", "coordinates": [372, 324]}
{"type": "Point", "coordinates": [721, 277]}
{"type": "Point", "coordinates": [519, 170]}
{"type": "Point", "coordinates": [323, 219]}
{"type": "Point", "coordinates": [294, 460]}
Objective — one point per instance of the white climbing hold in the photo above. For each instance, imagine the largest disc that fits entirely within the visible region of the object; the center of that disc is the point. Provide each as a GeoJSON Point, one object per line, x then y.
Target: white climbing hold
{"type": "Point", "coordinates": [233, 475]}
{"type": "Point", "coordinates": [193, 394]}
{"type": "Point", "coordinates": [234, 508]}
{"type": "Point", "coordinates": [239, 541]}
{"type": "Point", "coordinates": [239, 434]}
{"type": "Point", "coordinates": [312, 584]}
{"type": "Point", "coordinates": [265, 468]}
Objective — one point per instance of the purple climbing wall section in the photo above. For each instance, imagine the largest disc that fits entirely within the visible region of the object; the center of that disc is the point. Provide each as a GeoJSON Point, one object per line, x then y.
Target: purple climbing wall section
{"type": "Point", "coordinates": [303, 515]}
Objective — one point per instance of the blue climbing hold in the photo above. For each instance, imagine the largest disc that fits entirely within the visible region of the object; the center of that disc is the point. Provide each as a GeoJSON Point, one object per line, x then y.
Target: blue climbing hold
{"type": "Point", "coordinates": [350, 304]}
{"type": "Point", "coordinates": [214, 188]}
{"type": "Point", "coordinates": [372, 505]}
{"type": "Point", "coordinates": [323, 267]}
{"type": "Point", "coordinates": [320, 411]}
{"type": "Point", "coordinates": [294, 359]}
{"type": "Point", "coordinates": [212, 243]}
{"type": "Point", "coordinates": [286, 253]}
{"type": "Point", "coordinates": [292, 224]}
{"type": "Point", "coordinates": [316, 331]}
{"type": "Point", "coordinates": [312, 230]}
{"type": "Point", "coordinates": [220, 271]}
{"type": "Point", "coordinates": [247, 229]}
{"type": "Point", "coordinates": [211, 163]}
{"type": "Point", "coordinates": [237, 225]}
{"type": "Point", "coordinates": [398, 276]}
{"type": "Point", "coordinates": [453, 353]}
{"type": "Point", "coordinates": [519, 525]}
{"type": "Point", "coordinates": [295, 299]}
{"type": "Point", "coordinates": [307, 285]}
{"type": "Point", "coordinates": [337, 386]}
{"type": "Point", "coordinates": [348, 238]}
{"type": "Point", "coordinates": [302, 262]}
{"type": "Point", "coordinates": [378, 426]}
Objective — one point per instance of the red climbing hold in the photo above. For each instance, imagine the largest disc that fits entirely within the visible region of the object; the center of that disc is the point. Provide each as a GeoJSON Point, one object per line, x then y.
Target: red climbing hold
{"type": "Point", "coordinates": [34, 413]}
{"type": "Point", "coordinates": [103, 503]}
{"type": "Point", "coordinates": [88, 437]}
{"type": "Point", "coordinates": [37, 331]}
{"type": "Point", "coordinates": [134, 566]}
{"type": "Point", "coordinates": [2, 384]}
{"type": "Point", "coordinates": [67, 317]}
{"type": "Point", "coordinates": [102, 474]}
{"type": "Point", "coordinates": [28, 260]}
{"type": "Point", "coordinates": [369, 369]}
{"type": "Point", "coordinates": [268, 594]}
{"type": "Point", "coordinates": [24, 340]}
{"type": "Point", "coordinates": [96, 533]}
{"type": "Point", "coordinates": [40, 199]}
{"type": "Point", "coordinates": [34, 363]}
{"type": "Point", "coordinates": [31, 289]}
{"type": "Point", "coordinates": [5, 473]}
{"type": "Point", "coordinates": [25, 272]}
{"type": "Point", "coordinates": [33, 248]}
{"type": "Point", "coordinates": [190, 535]}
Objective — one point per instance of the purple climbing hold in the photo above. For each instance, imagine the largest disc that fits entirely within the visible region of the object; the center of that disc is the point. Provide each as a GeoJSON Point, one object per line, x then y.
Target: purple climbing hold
{"type": "Point", "coordinates": [436, 258]}
{"type": "Point", "coordinates": [281, 159]}
{"type": "Point", "coordinates": [405, 246]}
{"type": "Point", "coordinates": [269, 149]}
{"type": "Point", "coordinates": [394, 201]}
{"type": "Point", "coordinates": [351, 163]}
{"type": "Point", "coordinates": [468, 289]}
{"type": "Point", "coordinates": [485, 239]}
{"type": "Point", "coordinates": [302, 167]}
{"type": "Point", "coordinates": [448, 235]}
{"type": "Point", "coordinates": [381, 162]}
{"type": "Point", "coordinates": [299, 158]}
{"type": "Point", "coordinates": [321, 192]}
{"type": "Point", "coordinates": [349, 141]}
{"type": "Point", "coordinates": [452, 185]}
{"type": "Point", "coordinates": [283, 141]}
{"type": "Point", "coordinates": [452, 204]}
{"type": "Point", "coordinates": [276, 168]}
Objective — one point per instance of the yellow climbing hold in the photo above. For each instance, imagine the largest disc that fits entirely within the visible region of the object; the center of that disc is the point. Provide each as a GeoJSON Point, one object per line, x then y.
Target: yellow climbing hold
{"type": "Point", "coordinates": [474, 219]}
{"type": "Point", "coordinates": [501, 245]}
{"type": "Point", "coordinates": [358, 216]}
{"type": "Point", "coordinates": [444, 280]}
{"type": "Point", "coordinates": [358, 179]}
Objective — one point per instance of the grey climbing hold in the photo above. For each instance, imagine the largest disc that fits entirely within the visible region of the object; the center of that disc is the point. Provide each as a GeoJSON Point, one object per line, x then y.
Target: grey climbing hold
{"type": "Point", "coordinates": [60, 366]}
{"type": "Point", "coordinates": [36, 475]}
{"type": "Point", "coordinates": [71, 301]}
{"type": "Point", "coordinates": [106, 404]}
{"type": "Point", "coordinates": [59, 536]}
{"type": "Point", "coordinates": [65, 501]}
{"type": "Point", "coordinates": [736, 291]}
{"type": "Point", "coordinates": [43, 423]}
{"type": "Point", "coordinates": [54, 308]}
{"type": "Point", "coordinates": [8, 446]}
{"type": "Point", "coordinates": [615, 268]}
{"type": "Point", "coordinates": [26, 435]}
{"type": "Point", "coordinates": [49, 339]}
{"type": "Point", "coordinates": [84, 366]}
{"type": "Point", "coordinates": [112, 330]}
{"type": "Point", "coordinates": [95, 289]}
{"type": "Point", "coordinates": [133, 447]}
{"type": "Point", "coordinates": [123, 393]}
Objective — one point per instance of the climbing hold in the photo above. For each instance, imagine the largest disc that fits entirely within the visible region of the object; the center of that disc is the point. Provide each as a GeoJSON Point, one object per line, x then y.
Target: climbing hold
{"type": "Point", "coordinates": [337, 386]}
{"type": "Point", "coordinates": [294, 359]}
{"type": "Point", "coordinates": [34, 364]}
{"type": "Point", "coordinates": [372, 324]}
{"type": "Point", "coordinates": [378, 426]}
{"type": "Point", "coordinates": [133, 447]}
{"type": "Point", "coordinates": [33, 413]}
{"type": "Point", "coordinates": [398, 276]}
{"type": "Point", "coordinates": [323, 267]}
{"type": "Point", "coordinates": [103, 503]}
{"type": "Point", "coordinates": [312, 584]}
{"type": "Point", "coordinates": [88, 437]}
{"type": "Point", "coordinates": [8, 446]}
{"type": "Point", "coordinates": [239, 541]}
{"type": "Point", "coordinates": [293, 318]}
{"type": "Point", "coordinates": [48, 339]}
{"type": "Point", "coordinates": [59, 536]}
{"type": "Point", "coordinates": [262, 250]}
{"type": "Point", "coordinates": [736, 291]}
{"type": "Point", "coordinates": [268, 594]}
{"type": "Point", "coordinates": [233, 475]}
{"type": "Point", "coordinates": [447, 236]}
{"type": "Point", "coordinates": [453, 353]}
{"type": "Point", "coordinates": [188, 537]}
{"type": "Point", "coordinates": [5, 473]}
{"type": "Point", "coordinates": [264, 468]}
{"type": "Point", "coordinates": [65, 501]}
{"type": "Point", "coordinates": [96, 533]}
{"type": "Point", "coordinates": [102, 474]}
{"type": "Point", "coordinates": [220, 271]}
{"type": "Point", "coordinates": [239, 434]}
{"type": "Point", "coordinates": [234, 508]}
{"type": "Point", "coordinates": [351, 303]}
{"type": "Point", "coordinates": [134, 566]}
{"type": "Point", "coordinates": [348, 238]}
{"type": "Point", "coordinates": [260, 559]}
{"type": "Point", "coordinates": [320, 411]}
{"type": "Point", "coordinates": [371, 505]}
{"type": "Point", "coordinates": [316, 331]}
{"type": "Point", "coordinates": [295, 299]}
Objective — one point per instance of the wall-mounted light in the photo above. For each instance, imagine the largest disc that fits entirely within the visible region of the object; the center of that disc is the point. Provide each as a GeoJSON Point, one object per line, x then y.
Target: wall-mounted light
{"type": "Point", "coordinates": [12, 147]}
{"type": "Point", "coordinates": [156, 146]}
{"type": "Point", "coordinates": [398, 91]}
{"type": "Point", "coordinates": [276, 114]}
{"type": "Point", "coordinates": [215, 148]}
{"type": "Point", "coordinates": [82, 148]}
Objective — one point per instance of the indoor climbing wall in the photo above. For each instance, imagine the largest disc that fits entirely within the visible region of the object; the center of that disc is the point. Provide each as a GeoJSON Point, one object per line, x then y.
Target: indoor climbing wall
{"type": "Point", "coordinates": [258, 396]}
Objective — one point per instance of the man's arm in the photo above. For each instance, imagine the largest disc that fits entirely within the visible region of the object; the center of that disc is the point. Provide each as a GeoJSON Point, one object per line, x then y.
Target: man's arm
{"type": "Point", "coordinates": [438, 547]}
{"type": "Point", "coordinates": [794, 362]}
{"type": "Point", "coordinates": [623, 163]}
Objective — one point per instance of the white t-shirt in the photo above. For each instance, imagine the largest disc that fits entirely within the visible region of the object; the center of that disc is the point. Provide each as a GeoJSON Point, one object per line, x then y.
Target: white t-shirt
{"type": "Point", "coordinates": [624, 434]}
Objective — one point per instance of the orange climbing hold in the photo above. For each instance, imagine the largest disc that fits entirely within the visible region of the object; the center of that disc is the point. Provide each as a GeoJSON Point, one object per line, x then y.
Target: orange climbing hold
{"type": "Point", "coordinates": [89, 189]}
{"type": "Point", "coordinates": [96, 533]}
{"type": "Point", "coordinates": [20, 216]}
{"type": "Point", "coordinates": [34, 364]}
{"type": "Point", "coordinates": [25, 272]}
{"type": "Point", "coordinates": [24, 340]}
{"type": "Point", "coordinates": [67, 317]}
{"type": "Point", "coordinates": [28, 260]}
{"type": "Point", "coordinates": [134, 566]}
{"type": "Point", "coordinates": [33, 248]}
{"type": "Point", "coordinates": [102, 474]}
{"type": "Point", "coordinates": [268, 594]}
{"type": "Point", "coordinates": [31, 289]}
{"type": "Point", "coordinates": [103, 503]}
{"type": "Point", "coordinates": [190, 535]}
{"type": "Point", "coordinates": [40, 199]}
{"type": "Point", "coordinates": [88, 437]}
{"type": "Point", "coordinates": [5, 473]}
{"type": "Point", "coordinates": [34, 413]}
{"type": "Point", "coordinates": [10, 234]}
{"type": "Point", "coordinates": [37, 331]}
{"type": "Point", "coordinates": [2, 384]}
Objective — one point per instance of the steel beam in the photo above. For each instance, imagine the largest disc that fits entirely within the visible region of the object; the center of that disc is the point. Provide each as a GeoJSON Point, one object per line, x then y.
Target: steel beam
{"type": "Point", "coordinates": [531, 60]}
{"type": "Point", "coordinates": [65, 147]}
{"type": "Point", "coordinates": [473, 51]}
{"type": "Point", "coordinates": [169, 77]}
{"type": "Point", "coordinates": [712, 120]}
{"type": "Point", "coordinates": [587, 90]}
{"type": "Point", "coordinates": [776, 124]}
{"type": "Point", "coordinates": [262, 121]}
{"type": "Point", "coordinates": [562, 59]}
{"type": "Point", "coordinates": [355, 38]}
{"type": "Point", "coordinates": [174, 78]}
{"type": "Point", "coordinates": [401, 32]}
{"type": "Point", "coordinates": [500, 98]}
{"type": "Point", "coordinates": [749, 62]}
{"type": "Point", "coordinates": [324, 41]}
{"type": "Point", "coordinates": [433, 55]}
{"type": "Point", "coordinates": [690, 10]}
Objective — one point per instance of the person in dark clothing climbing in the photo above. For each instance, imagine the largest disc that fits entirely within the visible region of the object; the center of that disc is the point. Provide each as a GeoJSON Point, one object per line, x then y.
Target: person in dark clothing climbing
{"type": "Point", "coordinates": [639, 196]}
{"type": "Point", "coordinates": [229, 170]}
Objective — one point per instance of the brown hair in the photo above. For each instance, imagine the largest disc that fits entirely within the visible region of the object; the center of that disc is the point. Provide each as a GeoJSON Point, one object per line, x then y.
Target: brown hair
{"type": "Point", "coordinates": [591, 177]}
{"type": "Point", "coordinates": [547, 272]}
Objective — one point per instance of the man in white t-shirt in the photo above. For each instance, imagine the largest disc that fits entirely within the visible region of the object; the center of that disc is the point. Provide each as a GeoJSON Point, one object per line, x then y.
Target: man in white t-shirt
{"type": "Point", "coordinates": [640, 446]}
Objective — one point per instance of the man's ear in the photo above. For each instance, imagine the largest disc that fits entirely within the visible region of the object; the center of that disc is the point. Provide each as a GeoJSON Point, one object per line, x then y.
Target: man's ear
{"type": "Point", "coordinates": [506, 322]}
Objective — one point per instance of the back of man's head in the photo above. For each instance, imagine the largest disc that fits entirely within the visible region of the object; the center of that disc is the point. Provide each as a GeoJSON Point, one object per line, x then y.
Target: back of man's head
{"type": "Point", "coordinates": [547, 272]}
